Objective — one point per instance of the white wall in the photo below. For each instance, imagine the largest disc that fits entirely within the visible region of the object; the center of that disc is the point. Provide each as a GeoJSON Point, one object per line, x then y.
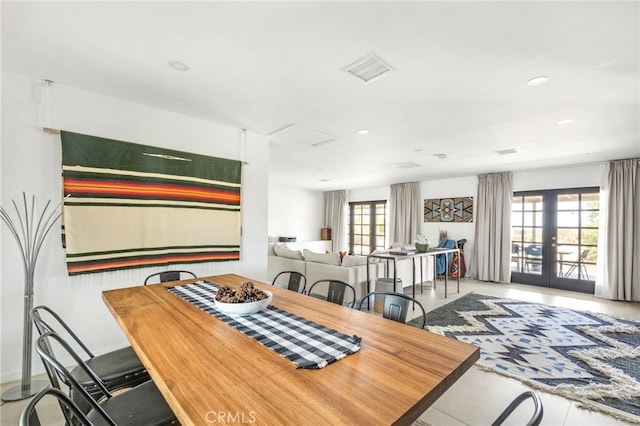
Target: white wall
{"type": "Point", "coordinates": [31, 161]}
{"type": "Point", "coordinates": [295, 212]}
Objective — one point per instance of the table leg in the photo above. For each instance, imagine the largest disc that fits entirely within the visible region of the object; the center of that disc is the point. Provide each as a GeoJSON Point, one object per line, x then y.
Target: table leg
{"type": "Point", "coordinates": [446, 266]}
{"type": "Point", "coordinates": [413, 275]}
{"type": "Point", "coordinates": [458, 276]}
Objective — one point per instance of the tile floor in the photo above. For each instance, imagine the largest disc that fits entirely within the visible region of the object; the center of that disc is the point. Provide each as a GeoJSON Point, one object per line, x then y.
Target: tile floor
{"type": "Point", "coordinates": [478, 397]}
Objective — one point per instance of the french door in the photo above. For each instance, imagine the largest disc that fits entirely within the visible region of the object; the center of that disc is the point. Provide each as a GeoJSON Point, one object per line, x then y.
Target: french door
{"type": "Point", "coordinates": [554, 236]}
{"type": "Point", "coordinates": [366, 226]}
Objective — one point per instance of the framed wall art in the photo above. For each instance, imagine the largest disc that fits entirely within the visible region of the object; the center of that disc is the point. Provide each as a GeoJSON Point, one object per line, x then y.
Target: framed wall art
{"type": "Point", "coordinates": [458, 209]}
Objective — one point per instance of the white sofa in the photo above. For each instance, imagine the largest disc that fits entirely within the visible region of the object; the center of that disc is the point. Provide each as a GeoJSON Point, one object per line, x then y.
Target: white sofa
{"type": "Point", "coordinates": [352, 269]}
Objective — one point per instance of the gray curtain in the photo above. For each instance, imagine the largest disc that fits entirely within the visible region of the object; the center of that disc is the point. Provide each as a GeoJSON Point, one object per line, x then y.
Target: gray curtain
{"type": "Point", "coordinates": [492, 255]}
{"type": "Point", "coordinates": [619, 234]}
{"type": "Point", "coordinates": [334, 218]}
{"type": "Point", "coordinates": [405, 212]}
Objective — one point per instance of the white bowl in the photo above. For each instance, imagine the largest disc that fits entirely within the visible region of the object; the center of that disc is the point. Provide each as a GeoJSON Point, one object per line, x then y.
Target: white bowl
{"type": "Point", "coordinates": [247, 308]}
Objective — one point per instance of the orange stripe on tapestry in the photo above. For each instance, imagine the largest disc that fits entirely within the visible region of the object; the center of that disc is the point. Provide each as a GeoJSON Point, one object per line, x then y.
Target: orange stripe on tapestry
{"type": "Point", "coordinates": [72, 186]}
{"type": "Point", "coordinates": [122, 264]}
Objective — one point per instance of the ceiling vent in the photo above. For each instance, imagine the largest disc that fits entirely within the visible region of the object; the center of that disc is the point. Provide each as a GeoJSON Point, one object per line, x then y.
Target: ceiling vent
{"type": "Point", "coordinates": [299, 135]}
{"type": "Point", "coordinates": [369, 68]}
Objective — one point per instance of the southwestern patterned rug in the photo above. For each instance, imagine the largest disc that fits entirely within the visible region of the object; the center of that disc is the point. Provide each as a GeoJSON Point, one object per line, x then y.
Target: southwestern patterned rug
{"type": "Point", "coordinates": [591, 358]}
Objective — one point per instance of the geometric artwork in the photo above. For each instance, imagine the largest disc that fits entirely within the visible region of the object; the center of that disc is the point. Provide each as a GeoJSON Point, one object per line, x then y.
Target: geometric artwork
{"type": "Point", "coordinates": [588, 357]}
{"type": "Point", "coordinates": [129, 205]}
{"type": "Point", "coordinates": [459, 209]}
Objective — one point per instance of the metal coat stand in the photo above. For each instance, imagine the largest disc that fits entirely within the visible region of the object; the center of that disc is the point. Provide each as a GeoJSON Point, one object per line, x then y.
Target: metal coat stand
{"type": "Point", "coordinates": [29, 234]}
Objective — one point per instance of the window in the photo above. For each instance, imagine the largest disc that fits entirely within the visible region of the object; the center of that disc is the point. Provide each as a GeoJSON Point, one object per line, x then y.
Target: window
{"type": "Point", "coordinates": [367, 226]}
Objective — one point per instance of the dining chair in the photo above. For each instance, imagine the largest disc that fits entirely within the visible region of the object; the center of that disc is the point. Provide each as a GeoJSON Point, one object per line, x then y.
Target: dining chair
{"type": "Point", "coordinates": [29, 415]}
{"type": "Point", "coordinates": [515, 255]}
{"type": "Point", "coordinates": [333, 291]}
{"type": "Point", "coordinates": [118, 369]}
{"type": "Point", "coordinates": [140, 405]}
{"type": "Point", "coordinates": [538, 410]}
{"type": "Point", "coordinates": [396, 306]}
{"type": "Point", "coordinates": [533, 258]}
{"type": "Point", "coordinates": [291, 280]}
{"type": "Point", "coordinates": [579, 264]}
{"type": "Point", "coordinates": [169, 276]}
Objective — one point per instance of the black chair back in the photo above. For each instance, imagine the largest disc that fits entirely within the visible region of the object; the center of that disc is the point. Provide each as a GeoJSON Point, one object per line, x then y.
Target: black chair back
{"type": "Point", "coordinates": [538, 410]}
{"type": "Point", "coordinates": [43, 348]}
{"type": "Point", "coordinates": [333, 291]}
{"type": "Point", "coordinates": [169, 276]}
{"type": "Point", "coordinates": [29, 416]}
{"type": "Point", "coordinates": [396, 306]}
{"type": "Point", "coordinates": [295, 281]}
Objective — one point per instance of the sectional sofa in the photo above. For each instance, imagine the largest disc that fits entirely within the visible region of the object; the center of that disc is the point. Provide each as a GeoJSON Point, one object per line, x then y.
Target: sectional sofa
{"type": "Point", "coordinates": [350, 269]}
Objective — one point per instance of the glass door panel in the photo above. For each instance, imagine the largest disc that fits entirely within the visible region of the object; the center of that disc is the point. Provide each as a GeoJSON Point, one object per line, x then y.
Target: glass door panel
{"type": "Point", "coordinates": [554, 238]}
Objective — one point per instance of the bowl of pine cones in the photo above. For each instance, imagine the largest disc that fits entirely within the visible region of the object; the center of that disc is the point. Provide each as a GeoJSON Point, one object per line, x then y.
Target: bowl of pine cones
{"type": "Point", "coordinates": [246, 300]}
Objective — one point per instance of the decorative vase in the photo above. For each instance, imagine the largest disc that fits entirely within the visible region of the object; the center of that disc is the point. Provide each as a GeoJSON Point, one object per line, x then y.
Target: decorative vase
{"type": "Point", "coordinates": [422, 244]}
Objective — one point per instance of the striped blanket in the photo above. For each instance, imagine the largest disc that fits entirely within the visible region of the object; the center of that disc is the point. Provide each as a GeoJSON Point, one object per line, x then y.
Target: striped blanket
{"type": "Point", "coordinates": [131, 205]}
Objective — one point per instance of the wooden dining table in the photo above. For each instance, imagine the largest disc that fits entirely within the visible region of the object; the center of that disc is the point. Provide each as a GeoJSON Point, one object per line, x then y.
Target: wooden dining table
{"type": "Point", "coordinates": [211, 373]}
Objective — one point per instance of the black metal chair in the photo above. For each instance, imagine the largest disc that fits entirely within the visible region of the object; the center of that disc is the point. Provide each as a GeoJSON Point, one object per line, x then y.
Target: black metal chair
{"type": "Point", "coordinates": [579, 264]}
{"type": "Point", "coordinates": [291, 280]}
{"type": "Point", "coordinates": [118, 369]}
{"type": "Point", "coordinates": [538, 411]}
{"type": "Point", "coordinates": [169, 276]}
{"type": "Point", "coordinates": [29, 416]}
{"type": "Point", "coordinates": [333, 291]}
{"type": "Point", "coordinates": [396, 306]}
{"type": "Point", "coordinates": [140, 405]}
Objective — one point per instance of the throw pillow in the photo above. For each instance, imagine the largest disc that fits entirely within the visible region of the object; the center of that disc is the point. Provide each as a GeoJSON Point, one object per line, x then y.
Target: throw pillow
{"type": "Point", "coordinates": [354, 260]}
{"type": "Point", "coordinates": [329, 259]}
{"type": "Point", "coordinates": [282, 251]}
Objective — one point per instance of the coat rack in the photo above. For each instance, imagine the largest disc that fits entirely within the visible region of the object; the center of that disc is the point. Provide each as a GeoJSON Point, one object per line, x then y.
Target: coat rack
{"type": "Point", "coordinates": [29, 232]}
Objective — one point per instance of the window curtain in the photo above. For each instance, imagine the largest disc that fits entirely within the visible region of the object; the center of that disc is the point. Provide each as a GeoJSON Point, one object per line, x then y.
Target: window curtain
{"type": "Point", "coordinates": [618, 276]}
{"type": "Point", "coordinates": [492, 256]}
{"type": "Point", "coordinates": [405, 212]}
{"type": "Point", "coordinates": [334, 212]}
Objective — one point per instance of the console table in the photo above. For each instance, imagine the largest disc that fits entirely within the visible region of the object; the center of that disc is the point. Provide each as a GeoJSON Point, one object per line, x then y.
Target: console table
{"type": "Point", "coordinates": [389, 256]}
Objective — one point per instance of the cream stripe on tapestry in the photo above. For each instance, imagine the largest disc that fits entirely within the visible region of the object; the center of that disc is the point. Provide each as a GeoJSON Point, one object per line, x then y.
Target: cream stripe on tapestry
{"type": "Point", "coordinates": [131, 202]}
{"type": "Point", "coordinates": [166, 227]}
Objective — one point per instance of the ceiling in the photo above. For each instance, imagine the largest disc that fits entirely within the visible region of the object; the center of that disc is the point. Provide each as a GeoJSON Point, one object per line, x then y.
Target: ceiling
{"type": "Point", "coordinates": [459, 85]}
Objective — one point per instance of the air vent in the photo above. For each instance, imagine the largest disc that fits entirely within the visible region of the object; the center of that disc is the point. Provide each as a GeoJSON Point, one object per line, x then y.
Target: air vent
{"type": "Point", "coordinates": [369, 68]}
{"type": "Point", "coordinates": [295, 134]}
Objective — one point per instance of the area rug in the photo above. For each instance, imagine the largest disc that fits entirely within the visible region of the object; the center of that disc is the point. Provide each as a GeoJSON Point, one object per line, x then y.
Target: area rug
{"type": "Point", "coordinates": [590, 358]}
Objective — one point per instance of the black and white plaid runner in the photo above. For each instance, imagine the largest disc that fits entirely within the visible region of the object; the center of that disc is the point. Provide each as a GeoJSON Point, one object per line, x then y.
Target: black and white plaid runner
{"type": "Point", "coordinates": [306, 343]}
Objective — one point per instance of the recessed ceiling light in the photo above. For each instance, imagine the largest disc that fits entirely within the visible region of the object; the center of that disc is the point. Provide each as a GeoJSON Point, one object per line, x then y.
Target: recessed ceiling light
{"type": "Point", "coordinates": [417, 150]}
{"type": "Point", "coordinates": [363, 131]}
{"type": "Point", "coordinates": [537, 81]}
{"type": "Point", "coordinates": [406, 165]}
{"type": "Point", "coordinates": [507, 151]}
{"type": "Point", "coordinates": [179, 66]}
{"type": "Point", "coordinates": [440, 156]}
{"type": "Point", "coordinates": [324, 180]}
{"type": "Point", "coordinates": [565, 122]}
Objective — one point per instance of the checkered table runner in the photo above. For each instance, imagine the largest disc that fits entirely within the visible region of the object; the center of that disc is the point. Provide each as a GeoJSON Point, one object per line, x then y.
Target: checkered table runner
{"type": "Point", "coordinates": [306, 343]}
